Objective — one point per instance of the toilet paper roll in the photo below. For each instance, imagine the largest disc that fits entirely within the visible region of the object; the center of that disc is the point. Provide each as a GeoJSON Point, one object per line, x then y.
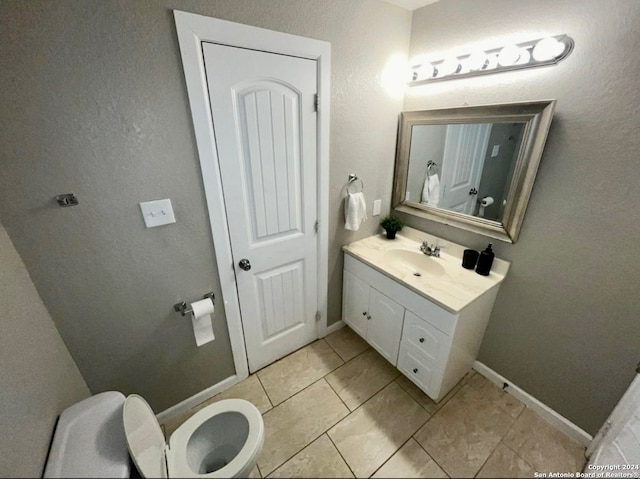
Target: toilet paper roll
{"type": "Point", "coordinates": [201, 320]}
{"type": "Point", "coordinates": [487, 201]}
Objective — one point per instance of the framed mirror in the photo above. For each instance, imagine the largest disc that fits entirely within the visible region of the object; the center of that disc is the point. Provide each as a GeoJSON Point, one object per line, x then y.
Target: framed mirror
{"type": "Point", "coordinates": [471, 167]}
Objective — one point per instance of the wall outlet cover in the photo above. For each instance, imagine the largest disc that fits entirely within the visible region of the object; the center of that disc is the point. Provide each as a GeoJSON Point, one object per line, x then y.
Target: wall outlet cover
{"type": "Point", "coordinates": [376, 207]}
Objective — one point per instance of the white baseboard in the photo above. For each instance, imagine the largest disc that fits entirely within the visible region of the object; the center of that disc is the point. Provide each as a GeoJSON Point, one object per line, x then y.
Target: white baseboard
{"type": "Point", "coordinates": [183, 406]}
{"type": "Point", "coordinates": [335, 327]}
{"type": "Point", "coordinates": [544, 411]}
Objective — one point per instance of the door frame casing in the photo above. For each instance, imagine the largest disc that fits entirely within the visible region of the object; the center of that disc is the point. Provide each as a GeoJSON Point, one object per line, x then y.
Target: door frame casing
{"type": "Point", "coordinates": [192, 30]}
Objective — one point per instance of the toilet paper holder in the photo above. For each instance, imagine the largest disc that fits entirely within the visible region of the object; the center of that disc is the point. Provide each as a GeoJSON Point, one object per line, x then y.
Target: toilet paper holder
{"type": "Point", "coordinates": [184, 309]}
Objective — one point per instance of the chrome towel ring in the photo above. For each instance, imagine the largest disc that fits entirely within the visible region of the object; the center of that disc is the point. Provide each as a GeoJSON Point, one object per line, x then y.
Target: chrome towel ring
{"type": "Point", "coordinates": [352, 179]}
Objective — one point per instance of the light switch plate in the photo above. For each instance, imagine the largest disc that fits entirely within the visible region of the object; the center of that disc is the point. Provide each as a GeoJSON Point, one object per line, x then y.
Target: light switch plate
{"type": "Point", "coordinates": [157, 213]}
{"type": "Point", "coordinates": [495, 151]}
{"type": "Point", "coordinates": [376, 207]}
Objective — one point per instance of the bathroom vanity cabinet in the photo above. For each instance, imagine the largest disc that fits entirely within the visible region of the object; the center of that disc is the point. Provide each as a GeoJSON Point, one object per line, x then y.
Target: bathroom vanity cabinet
{"type": "Point", "coordinates": [430, 343]}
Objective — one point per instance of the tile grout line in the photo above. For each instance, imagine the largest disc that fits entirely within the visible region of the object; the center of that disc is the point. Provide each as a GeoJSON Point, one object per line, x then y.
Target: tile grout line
{"type": "Point", "coordinates": [515, 452]}
{"type": "Point", "coordinates": [336, 351]}
{"type": "Point", "coordinates": [369, 399]}
{"type": "Point", "coordinates": [343, 458]}
{"type": "Point", "coordinates": [487, 459]}
{"type": "Point", "coordinates": [393, 454]}
{"type": "Point", "coordinates": [304, 447]}
{"type": "Point", "coordinates": [297, 392]}
{"type": "Point", "coordinates": [315, 438]}
{"type": "Point", "coordinates": [427, 452]}
{"type": "Point", "coordinates": [433, 415]}
{"type": "Point", "coordinates": [374, 395]}
{"type": "Point", "coordinates": [265, 392]}
{"type": "Point", "coordinates": [339, 397]}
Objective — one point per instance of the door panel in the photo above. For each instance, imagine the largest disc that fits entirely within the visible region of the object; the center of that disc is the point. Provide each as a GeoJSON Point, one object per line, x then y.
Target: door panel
{"type": "Point", "coordinates": [281, 296]}
{"type": "Point", "coordinates": [355, 303]}
{"type": "Point", "coordinates": [264, 122]}
{"type": "Point", "coordinates": [385, 325]}
{"type": "Point", "coordinates": [266, 114]}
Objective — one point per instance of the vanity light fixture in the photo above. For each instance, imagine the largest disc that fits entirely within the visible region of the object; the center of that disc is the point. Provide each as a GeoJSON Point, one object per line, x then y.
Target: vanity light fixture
{"type": "Point", "coordinates": [534, 53]}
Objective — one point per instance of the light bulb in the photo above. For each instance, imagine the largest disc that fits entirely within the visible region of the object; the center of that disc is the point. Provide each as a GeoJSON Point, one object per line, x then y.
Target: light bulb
{"type": "Point", "coordinates": [448, 67]}
{"type": "Point", "coordinates": [477, 61]}
{"type": "Point", "coordinates": [525, 57]}
{"type": "Point", "coordinates": [548, 49]}
{"type": "Point", "coordinates": [425, 71]}
{"type": "Point", "coordinates": [509, 55]}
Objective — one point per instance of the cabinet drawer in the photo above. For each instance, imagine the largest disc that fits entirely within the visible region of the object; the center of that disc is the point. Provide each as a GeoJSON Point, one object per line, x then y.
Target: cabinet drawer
{"type": "Point", "coordinates": [419, 369]}
{"type": "Point", "coordinates": [433, 343]}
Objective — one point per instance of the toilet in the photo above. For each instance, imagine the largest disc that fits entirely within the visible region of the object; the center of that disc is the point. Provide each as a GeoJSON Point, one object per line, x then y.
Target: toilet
{"type": "Point", "coordinates": [100, 436]}
{"type": "Point", "coordinates": [221, 440]}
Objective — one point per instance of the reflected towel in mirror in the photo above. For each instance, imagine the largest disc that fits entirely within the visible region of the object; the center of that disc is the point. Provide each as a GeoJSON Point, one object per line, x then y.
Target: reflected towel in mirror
{"type": "Point", "coordinates": [431, 190]}
{"type": "Point", "coordinates": [355, 211]}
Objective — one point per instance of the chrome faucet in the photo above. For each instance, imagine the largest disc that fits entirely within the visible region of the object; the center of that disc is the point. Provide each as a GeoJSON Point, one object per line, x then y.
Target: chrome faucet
{"type": "Point", "coordinates": [430, 250]}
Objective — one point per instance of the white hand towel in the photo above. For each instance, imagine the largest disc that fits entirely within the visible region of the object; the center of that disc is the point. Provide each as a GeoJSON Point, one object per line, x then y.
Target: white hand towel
{"type": "Point", "coordinates": [355, 211]}
{"type": "Point", "coordinates": [431, 190]}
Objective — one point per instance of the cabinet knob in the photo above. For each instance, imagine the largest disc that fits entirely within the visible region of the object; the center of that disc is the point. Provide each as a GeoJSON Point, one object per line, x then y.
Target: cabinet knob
{"type": "Point", "coordinates": [364, 313]}
{"type": "Point", "coordinates": [422, 340]}
{"type": "Point", "coordinates": [415, 370]}
{"type": "Point", "coordinates": [368, 317]}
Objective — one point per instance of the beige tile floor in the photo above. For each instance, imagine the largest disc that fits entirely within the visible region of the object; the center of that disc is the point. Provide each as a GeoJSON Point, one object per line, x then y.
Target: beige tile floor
{"type": "Point", "coordinates": [336, 408]}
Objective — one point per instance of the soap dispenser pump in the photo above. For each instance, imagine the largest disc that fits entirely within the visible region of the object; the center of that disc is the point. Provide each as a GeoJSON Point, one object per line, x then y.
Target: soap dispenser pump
{"type": "Point", "coordinates": [485, 261]}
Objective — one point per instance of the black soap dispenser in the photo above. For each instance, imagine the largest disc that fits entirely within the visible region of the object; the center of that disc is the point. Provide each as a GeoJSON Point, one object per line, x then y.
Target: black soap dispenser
{"type": "Point", "coordinates": [485, 261]}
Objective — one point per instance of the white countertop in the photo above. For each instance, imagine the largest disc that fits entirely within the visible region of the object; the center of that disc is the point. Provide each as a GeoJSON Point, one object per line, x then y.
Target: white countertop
{"type": "Point", "coordinates": [453, 288]}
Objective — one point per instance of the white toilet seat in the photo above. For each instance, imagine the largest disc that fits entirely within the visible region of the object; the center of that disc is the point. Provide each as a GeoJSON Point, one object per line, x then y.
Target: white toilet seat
{"type": "Point", "coordinates": [177, 455]}
{"type": "Point", "coordinates": [237, 431]}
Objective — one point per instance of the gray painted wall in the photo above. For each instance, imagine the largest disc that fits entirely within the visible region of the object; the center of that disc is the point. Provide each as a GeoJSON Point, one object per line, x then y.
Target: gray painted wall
{"type": "Point", "coordinates": [427, 144]}
{"type": "Point", "coordinates": [565, 324]}
{"type": "Point", "coordinates": [94, 102]}
{"type": "Point", "coordinates": [38, 377]}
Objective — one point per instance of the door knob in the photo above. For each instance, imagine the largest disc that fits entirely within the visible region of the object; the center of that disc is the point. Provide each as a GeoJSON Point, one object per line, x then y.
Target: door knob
{"type": "Point", "coordinates": [415, 370]}
{"type": "Point", "coordinates": [422, 340]}
{"type": "Point", "coordinates": [245, 264]}
{"type": "Point", "coordinates": [473, 191]}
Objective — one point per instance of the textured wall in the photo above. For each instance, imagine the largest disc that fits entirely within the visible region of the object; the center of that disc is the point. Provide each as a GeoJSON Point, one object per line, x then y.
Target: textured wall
{"type": "Point", "coordinates": [427, 144]}
{"type": "Point", "coordinates": [38, 377]}
{"type": "Point", "coordinates": [565, 324]}
{"type": "Point", "coordinates": [94, 102]}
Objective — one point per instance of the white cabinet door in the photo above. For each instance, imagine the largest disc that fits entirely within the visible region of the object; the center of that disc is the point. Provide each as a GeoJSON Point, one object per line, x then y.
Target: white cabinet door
{"type": "Point", "coordinates": [355, 303]}
{"type": "Point", "coordinates": [385, 325]}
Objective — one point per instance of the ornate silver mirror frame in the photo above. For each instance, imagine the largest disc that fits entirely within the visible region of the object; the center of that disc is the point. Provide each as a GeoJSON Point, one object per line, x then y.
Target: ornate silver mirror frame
{"type": "Point", "coordinates": [536, 117]}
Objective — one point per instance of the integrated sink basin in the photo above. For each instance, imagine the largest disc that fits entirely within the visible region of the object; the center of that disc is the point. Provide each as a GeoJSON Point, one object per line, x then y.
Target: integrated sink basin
{"type": "Point", "coordinates": [416, 262]}
{"type": "Point", "coordinates": [441, 280]}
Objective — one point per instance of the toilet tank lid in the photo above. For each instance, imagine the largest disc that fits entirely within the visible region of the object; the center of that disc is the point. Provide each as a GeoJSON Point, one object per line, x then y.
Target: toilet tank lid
{"type": "Point", "coordinates": [89, 440]}
{"type": "Point", "coordinates": [144, 437]}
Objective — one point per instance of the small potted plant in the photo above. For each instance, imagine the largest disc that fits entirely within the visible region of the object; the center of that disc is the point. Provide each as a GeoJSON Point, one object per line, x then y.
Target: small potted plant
{"type": "Point", "coordinates": [391, 225]}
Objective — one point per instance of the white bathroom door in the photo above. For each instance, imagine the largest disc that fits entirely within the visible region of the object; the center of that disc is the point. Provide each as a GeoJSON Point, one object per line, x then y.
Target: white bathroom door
{"type": "Point", "coordinates": [264, 122]}
{"type": "Point", "coordinates": [463, 160]}
{"type": "Point", "coordinates": [618, 442]}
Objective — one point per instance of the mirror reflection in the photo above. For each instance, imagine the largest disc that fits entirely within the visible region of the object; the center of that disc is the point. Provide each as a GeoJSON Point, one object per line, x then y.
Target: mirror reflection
{"type": "Point", "coordinates": [471, 167]}
{"type": "Point", "coordinates": [466, 168]}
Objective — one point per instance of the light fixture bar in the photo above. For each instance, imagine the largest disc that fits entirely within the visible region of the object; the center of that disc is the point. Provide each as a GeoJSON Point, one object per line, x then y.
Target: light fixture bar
{"type": "Point", "coordinates": [534, 53]}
